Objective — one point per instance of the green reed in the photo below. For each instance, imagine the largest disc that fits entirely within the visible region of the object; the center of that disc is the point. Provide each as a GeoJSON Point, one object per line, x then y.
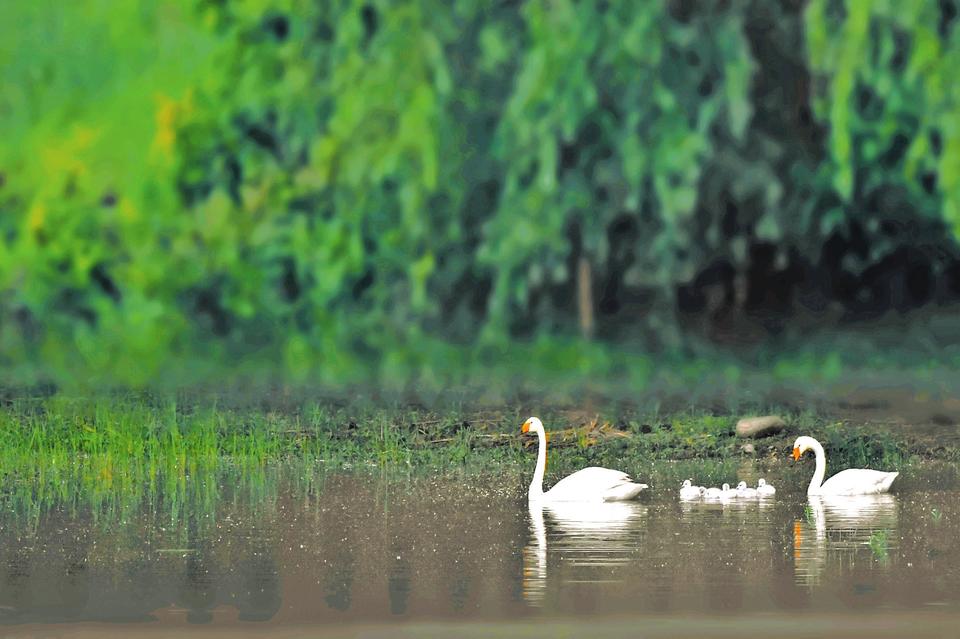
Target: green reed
{"type": "Point", "coordinates": [146, 447]}
{"type": "Point", "coordinates": [878, 543]}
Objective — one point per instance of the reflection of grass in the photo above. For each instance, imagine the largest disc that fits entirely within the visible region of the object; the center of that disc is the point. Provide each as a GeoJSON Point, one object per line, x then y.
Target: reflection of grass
{"type": "Point", "coordinates": [878, 544]}
{"type": "Point", "coordinates": [808, 515]}
{"type": "Point", "coordinates": [936, 515]}
{"type": "Point", "coordinates": [82, 488]}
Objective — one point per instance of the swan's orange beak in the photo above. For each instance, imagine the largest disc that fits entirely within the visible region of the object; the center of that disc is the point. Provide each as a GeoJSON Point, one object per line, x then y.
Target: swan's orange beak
{"type": "Point", "coordinates": [796, 453]}
{"type": "Point", "coordinates": [525, 428]}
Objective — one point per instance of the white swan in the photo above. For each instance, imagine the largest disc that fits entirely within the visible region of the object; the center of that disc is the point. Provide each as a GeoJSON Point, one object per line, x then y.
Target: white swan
{"type": "Point", "coordinates": [728, 493]}
{"type": "Point", "coordinates": [853, 481]}
{"type": "Point", "coordinates": [745, 492]}
{"type": "Point", "coordinates": [712, 493]}
{"type": "Point", "coordinates": [589, 484]}
{"type": "Point", "coordinates": [689, 492]}
{"type": "Point", "coordinates": [764, 489]}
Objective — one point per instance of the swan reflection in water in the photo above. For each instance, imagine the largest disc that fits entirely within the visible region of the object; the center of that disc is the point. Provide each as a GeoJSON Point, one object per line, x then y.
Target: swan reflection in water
{"type": "Point", "coordinates": [591, 537]}
{"type": "Point", "coordinates": [838, 529]}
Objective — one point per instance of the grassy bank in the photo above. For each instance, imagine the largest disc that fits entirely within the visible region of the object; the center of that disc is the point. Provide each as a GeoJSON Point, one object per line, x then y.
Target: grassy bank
{"type": "Point", "coordinates": [114, 456]}
{"type": "Point", "coordinates": [136, 435]}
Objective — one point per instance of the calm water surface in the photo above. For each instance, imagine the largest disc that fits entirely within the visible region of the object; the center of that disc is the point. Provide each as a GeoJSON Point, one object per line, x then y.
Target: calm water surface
{"type": "Point", "coordinates": [355, 550]}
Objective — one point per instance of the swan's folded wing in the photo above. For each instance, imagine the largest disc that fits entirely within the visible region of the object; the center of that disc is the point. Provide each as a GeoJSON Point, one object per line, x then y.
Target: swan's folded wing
{"type": "Point", "coordinates": [858, 481]}
{"type": "Point", "coordinates": [624, 491]}
{"type": "Point", "coordinates": [588, 484]}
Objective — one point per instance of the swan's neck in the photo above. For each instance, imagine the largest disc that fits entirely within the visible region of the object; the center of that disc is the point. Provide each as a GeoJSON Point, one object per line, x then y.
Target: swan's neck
{"type": "Point", "coordinates": [817, 480]}
{"type": "Point", "coordinates": [536, 486]}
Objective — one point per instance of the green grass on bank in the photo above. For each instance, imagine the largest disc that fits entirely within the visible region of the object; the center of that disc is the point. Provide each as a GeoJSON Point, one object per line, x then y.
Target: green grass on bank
{"type": "Point", "coordinates": [114, 456]}
{"type": "Point", "coordinates": [132, 435]}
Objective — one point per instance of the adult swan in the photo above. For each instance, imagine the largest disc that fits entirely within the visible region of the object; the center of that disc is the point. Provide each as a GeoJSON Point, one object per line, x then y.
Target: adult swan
{"type": "Point", "coordinates": [589, 484]}
{"type": "Point", "coordinates": [853, 481]}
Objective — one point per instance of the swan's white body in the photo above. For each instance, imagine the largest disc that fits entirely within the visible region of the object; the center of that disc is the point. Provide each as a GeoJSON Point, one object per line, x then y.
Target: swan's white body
{"type": "Point", "coordinates": [712, 493]}
{"type": "Point", "coordinates": [728, 493]}
{"type": "Point", "coordinates": [689, 492]}
{"type": "Point", "coordinates": [853, 481]}
{"type": "Point", "coordinates": [764, 489]}
{"type": "Point", "coordinates": [589, 484]}
{"type": "Point", "coordinates": [745, 492]}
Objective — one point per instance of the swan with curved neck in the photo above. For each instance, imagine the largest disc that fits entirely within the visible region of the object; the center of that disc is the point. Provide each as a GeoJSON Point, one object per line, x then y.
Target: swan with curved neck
{"type": "Point", "coordinates": [853, 481]}
{"type": "Point", "coordinates": [589, 484]}
{"type": "Point", "coordinates": [764, 489]}
{"type": "Point", "coordinates": [727, 493]}
{"type": "Point", "coordinates": [689, 491]}
{"type": "Point", "coordinates": [745, 492]}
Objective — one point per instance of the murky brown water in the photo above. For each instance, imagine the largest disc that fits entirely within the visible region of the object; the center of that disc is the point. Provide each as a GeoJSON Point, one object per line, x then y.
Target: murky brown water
{"type": "Point", "coordinates": [358, 552]}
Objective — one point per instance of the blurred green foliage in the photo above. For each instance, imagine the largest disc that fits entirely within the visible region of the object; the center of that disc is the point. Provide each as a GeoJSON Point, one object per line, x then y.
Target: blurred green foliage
{"type": "Point", "coordinates": [351, 190]}
{"type": "Point", "coordinates": [888, 97]}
